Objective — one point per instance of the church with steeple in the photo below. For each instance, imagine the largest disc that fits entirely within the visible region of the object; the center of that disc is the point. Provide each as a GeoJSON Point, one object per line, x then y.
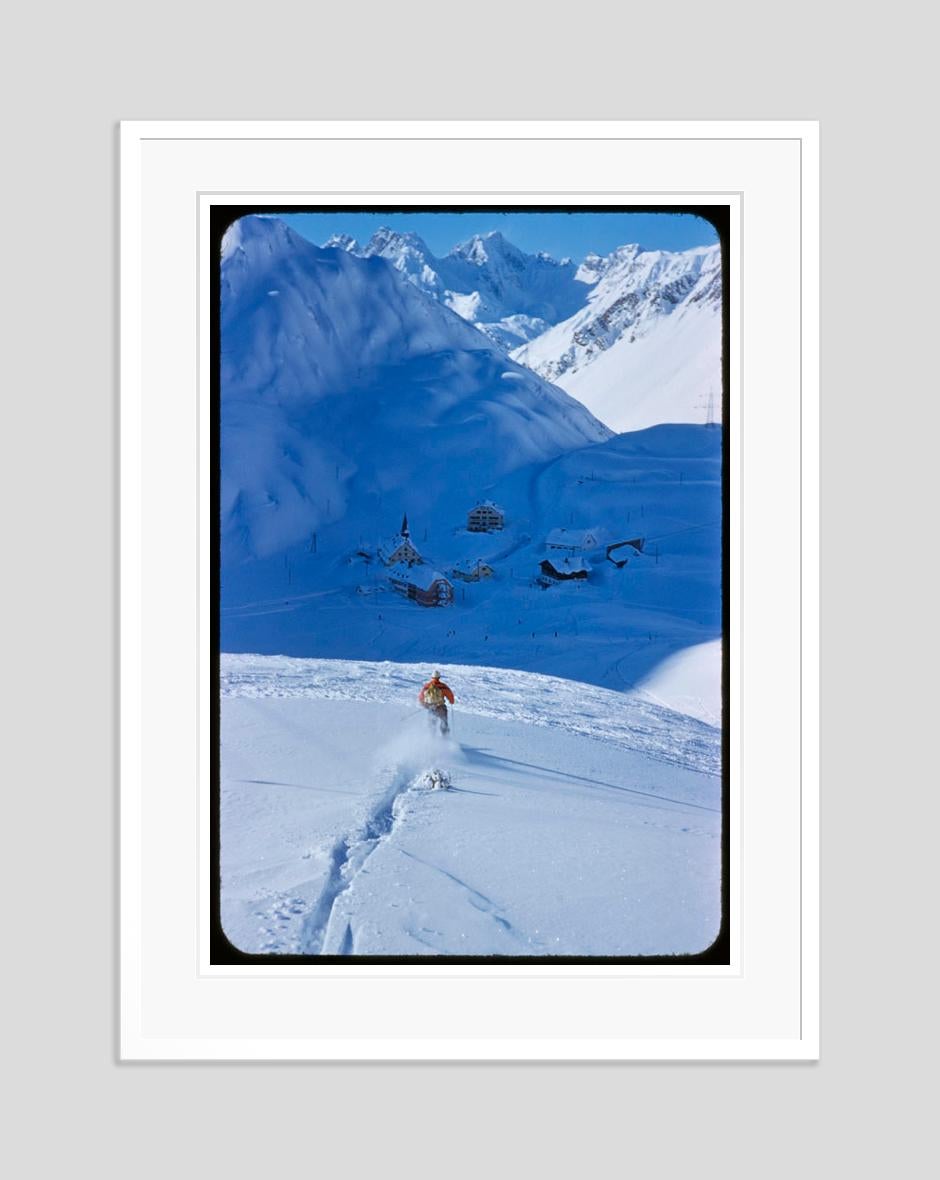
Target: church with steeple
{"type": "Point", "coordinates": [400, 548]}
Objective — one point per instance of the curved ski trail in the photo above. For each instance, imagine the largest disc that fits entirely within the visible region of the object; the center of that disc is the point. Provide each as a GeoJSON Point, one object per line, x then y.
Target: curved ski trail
{"type": "Point", "coordinates": [321, 933]}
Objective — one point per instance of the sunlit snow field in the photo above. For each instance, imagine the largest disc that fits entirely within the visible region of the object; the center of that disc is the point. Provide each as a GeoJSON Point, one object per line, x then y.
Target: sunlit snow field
{"type": "Point", "coordinates": [580, 821]}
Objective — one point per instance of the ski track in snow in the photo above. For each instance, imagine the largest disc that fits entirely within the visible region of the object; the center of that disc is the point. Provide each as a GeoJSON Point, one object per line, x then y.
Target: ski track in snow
{"type": "Point", "coordinates": [625, 720]}
{"type": "Point", "coordinates": [347, 859]}
{"type": "Point", "coordinates": [478, 900]}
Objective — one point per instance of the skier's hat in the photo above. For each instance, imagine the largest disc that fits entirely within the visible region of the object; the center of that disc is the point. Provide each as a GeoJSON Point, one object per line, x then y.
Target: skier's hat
{"type": "Point", "coordinates": [436, 675]}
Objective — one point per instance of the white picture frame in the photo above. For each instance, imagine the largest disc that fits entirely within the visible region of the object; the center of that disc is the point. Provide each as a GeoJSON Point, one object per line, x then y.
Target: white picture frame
{"type": "Point", "coordinates": [174, 1003]}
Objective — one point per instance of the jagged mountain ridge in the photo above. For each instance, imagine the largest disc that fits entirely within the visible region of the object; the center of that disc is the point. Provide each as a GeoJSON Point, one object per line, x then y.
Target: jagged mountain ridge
{"type": "Point", "coordinates": [646, 346]}
{"type": "Point", "coordinates": [631, 290]}
{"type": "Point", "coordinates": [507, 294]}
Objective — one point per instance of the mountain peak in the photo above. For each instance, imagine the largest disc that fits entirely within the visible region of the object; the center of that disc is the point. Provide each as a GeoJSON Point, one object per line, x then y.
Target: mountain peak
{"type": "Point", "coordinates": [256, 230]}
{"type": "Point", "coordinates": [482, 248]}
{"type": "Point", "coordinates": [388, 242]}
{"type": "Point", "coordinates": [595, 266]}
{"type": "Point", "coordinates": [629, 250]}
{"type": "Point", "coordinates": [342, 242]}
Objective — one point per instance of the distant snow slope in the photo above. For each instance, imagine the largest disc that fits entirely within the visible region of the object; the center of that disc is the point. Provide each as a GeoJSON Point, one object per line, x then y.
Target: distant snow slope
{"type": "Point", "coordinates": [342, 384]}
{"type": "Point", "coordinates": [646, 346]}
{"type": "Point", "coordinates": [569, 831]}
{"type": "Point", "coordinates": [689, 682]}
{"type": "Point", "coordinates": [672, 374]}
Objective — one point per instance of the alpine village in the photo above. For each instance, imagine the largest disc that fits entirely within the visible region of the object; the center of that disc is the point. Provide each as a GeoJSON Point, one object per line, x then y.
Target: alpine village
{"type": "Point", "coordinates": [570, 554]}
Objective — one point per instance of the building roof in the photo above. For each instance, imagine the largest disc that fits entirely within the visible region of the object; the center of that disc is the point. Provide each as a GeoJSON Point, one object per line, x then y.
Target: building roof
{"type": "Point", "coordinates": [575, 538]}
{"type": "Point", "coordinates": [396, 542]}
{"type": "Point", "coordinates": [568, 565]}
{"type": "Point", "coordinates": [488, 504]}
{"type": "Point", "coordinates": [421, 576]}
{"type": "Point", "coordinates": [469, 565]}
{"type": "Point", "coordinates": [636, 544]}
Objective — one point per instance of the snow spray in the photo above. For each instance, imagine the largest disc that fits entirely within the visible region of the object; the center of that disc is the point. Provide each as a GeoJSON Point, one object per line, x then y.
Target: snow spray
{"type": "Point", "coordinates": [414, 747]}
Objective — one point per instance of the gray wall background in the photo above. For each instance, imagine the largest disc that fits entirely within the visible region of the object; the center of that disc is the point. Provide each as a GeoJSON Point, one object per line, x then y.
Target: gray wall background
{"type": "Point", "coordinates": [71, 73]}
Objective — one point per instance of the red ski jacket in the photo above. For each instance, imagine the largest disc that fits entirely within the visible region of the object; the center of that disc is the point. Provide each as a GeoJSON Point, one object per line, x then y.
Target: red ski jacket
{"type": "Point", "coordinates": [434, 693]}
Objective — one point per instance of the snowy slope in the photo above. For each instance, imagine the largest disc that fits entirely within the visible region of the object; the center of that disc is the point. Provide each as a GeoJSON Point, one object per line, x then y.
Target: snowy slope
{"type": "Point", "coordinates": [689, 682]}
{"type": "Point", "coordinates": [646, 346]}
{"type": "Point", "coordinates": [342, 385]}
{"type": "Point", "coordinates": [568, 832]}
{"type": "Point", "coordinates": [672, 374]}
{"type": "Point", "coordinates": [513, 330]}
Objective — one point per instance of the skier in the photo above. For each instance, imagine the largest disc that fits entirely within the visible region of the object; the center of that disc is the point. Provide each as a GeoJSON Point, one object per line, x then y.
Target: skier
{"type": "Point", "coordinates": [433, 696]}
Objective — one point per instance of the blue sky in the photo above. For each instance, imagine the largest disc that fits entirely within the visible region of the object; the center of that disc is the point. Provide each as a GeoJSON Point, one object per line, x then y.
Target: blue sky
{"type": "Point", "coordinates": [559, 234]}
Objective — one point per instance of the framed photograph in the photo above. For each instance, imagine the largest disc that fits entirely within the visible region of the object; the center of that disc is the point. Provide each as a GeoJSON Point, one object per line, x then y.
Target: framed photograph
{"type": "Point", "coordinates": [468, 591]}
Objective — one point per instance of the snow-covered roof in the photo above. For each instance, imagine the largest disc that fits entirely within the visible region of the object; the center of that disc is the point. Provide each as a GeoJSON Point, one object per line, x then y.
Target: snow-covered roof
{"type": "Point", "coordinates": [487, 504]}
{"type": "Point", "coordinates": [396, 542]}
{"type": "Point", "coordinates": [569, 565]}
{"type": "Point", "coordinates": [575, 538]}
{"type": "Point", "coordinates": [421, 576]}
{"type": "Point", "coordinates": [469, 565]}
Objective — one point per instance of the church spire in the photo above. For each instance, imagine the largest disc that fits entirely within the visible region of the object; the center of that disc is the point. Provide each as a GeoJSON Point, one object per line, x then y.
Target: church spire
{"type": "Point", "coordinates": [404, 526]}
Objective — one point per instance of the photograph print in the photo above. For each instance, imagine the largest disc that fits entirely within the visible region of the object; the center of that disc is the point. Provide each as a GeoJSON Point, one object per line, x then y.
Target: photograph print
{"type": "Point", "coordinates": [470, 588]}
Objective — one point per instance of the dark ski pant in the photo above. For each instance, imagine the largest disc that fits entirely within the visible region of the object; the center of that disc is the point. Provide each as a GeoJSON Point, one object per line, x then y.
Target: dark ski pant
{"type": "Point", "coordinates": [440, 712]}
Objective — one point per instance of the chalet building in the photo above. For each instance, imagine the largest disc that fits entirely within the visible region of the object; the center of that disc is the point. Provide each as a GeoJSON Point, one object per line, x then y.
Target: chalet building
{"type": "Point", "coordinates": [472, 571]}
{"type": "Point", "coordinates": [423, 585]}
{"type": "Point", "coordinates": [621, 551]}
{"type": "Point", "coordinates": [574, 540]}
{"type": "Point", "coordinates": [400, 550]}
{"type": "Point", "coordinates": [565, 569]}
{"type": "Point", "coordinates": [486, 517]}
